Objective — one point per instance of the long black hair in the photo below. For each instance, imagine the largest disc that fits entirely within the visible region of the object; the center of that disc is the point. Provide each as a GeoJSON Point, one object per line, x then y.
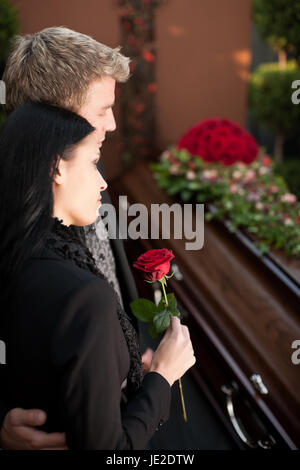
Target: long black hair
{"type": "Point", "coordinates": [32, 141]}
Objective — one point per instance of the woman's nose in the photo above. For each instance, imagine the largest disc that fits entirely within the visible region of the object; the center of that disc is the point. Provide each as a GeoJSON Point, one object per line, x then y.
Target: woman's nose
{"type": "Point", "coordinates": [103, 184]}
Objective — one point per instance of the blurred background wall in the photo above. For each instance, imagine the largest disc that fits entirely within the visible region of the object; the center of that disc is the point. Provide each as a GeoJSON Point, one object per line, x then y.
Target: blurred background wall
{"type": "Point", "coordinates": [203, 58]}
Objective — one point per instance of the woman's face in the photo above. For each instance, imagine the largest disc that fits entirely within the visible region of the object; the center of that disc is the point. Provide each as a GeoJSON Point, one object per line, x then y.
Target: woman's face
{"type": "Point", "coordinates": [78, 183]}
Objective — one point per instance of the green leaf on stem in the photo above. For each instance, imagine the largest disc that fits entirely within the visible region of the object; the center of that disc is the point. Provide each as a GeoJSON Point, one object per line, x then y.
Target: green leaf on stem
{"type": "Point", "coordinates": [152, 331]}
{"type": "Point", "coordinates": [162, 321]}
{"type": "Point", "coordinates": [171, 307]}
{"type": "Point", "coordinates": [143, 309]}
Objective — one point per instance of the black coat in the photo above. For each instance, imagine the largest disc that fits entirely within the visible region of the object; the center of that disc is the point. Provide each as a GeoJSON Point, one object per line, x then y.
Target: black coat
{"type": "Point", "coordinates": [66, 354]}
{"type": "Point", "coordinates": [34, 384]}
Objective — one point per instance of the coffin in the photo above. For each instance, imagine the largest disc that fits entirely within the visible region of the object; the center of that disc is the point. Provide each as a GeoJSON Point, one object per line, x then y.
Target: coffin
{"type": "Point", "coordinates": [242, 310]}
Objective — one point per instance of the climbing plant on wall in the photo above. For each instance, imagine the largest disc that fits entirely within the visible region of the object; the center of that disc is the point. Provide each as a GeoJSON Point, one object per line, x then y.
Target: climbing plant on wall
{"type": "Point", "coordinates": [137, 96]}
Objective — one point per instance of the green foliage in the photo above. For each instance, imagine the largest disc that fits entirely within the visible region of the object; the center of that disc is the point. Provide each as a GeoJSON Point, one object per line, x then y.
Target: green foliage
{"type": "Point", "coordinates": [270, 97]}
{"type": "Point", "coordinates": [290, 170]}
{"type": "Point", "coordinates": [278, 23]}
{"type": "Point", "coordinates": [252, 197]}
{"type": "Point", "coordinates": [9, 26]}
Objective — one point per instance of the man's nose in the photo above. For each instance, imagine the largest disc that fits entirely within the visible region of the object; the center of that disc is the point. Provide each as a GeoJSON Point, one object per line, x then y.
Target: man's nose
{"type": "Point", "coordinates": [111, 123]}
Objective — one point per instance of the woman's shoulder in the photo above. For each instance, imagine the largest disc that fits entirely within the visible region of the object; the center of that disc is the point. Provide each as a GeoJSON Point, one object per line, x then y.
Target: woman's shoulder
{"type": "Point", "coordinates": [53, 267]}
{"type": "Point", "coordinates": [50, 279]}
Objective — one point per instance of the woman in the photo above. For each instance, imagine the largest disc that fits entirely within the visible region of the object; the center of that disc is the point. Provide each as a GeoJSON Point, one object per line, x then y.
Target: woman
{"type": "Point", "coordinates": [71, 349]}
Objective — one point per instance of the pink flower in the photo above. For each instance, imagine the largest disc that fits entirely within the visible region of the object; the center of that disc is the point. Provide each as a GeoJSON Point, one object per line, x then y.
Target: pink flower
{"type": "Point", "coordinates": [249, 176]}
{"type": "Point", "coordinates": [253, 197]}
{"type": "Point", "coordinates": [233, 188]}
{"type": "Point", "coordinates": [288, 198]}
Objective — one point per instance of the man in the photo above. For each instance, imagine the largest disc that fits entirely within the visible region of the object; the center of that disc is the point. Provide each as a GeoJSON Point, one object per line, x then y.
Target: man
{"type": "Point", "coordinates": [72, 70]}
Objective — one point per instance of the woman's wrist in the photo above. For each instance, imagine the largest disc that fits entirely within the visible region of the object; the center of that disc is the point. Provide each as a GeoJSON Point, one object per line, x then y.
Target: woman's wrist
{"type": "Point", "coordinates": [160, 372]}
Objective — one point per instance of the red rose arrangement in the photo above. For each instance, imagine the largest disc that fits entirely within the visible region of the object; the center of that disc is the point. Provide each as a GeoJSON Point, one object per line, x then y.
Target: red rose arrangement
{"type": "Point", "coordinates": [219, 140]}
{"type": "Point", "coordinates": [156, 264]}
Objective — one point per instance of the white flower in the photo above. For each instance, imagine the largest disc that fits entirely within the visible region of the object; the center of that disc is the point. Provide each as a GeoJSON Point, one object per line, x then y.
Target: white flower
{"type": "Point", "coordinates": [210, 174]}
{"type": "Point", "coordinates": [288, 221]}
{"type": "Point", "coordinates": [236, 174]}
{"type": "Point", "coordinates": [191, 175]}
{"type": "Point", "coordinates": [263, 170]}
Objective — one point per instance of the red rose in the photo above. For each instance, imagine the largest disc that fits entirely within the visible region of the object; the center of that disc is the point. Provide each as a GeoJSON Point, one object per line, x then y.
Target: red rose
{"type": "Point", "coordinates": [219, 140]}
{"type": "Point", "coordinates": [154, 262]}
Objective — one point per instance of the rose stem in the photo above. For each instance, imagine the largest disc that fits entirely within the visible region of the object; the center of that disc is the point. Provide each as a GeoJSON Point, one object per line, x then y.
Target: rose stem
{"type": "Point", "coordinates": [163, 282]}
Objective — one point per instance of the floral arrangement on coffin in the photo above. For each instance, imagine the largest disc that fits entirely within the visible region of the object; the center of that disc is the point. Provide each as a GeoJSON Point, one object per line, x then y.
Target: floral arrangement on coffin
{"type": "Point", "coordinates": [217, 161]}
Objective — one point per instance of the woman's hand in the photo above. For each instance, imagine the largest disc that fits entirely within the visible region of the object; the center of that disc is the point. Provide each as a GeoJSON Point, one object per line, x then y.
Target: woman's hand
{"type": "Point", "coordinates": [175, 353]}
{"type": "Point", "coordinates": [18, 432]}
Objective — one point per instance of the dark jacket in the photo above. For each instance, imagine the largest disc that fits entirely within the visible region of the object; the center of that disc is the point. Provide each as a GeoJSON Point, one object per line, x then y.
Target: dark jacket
{"type": "Point", "coordinates": [66, 354]}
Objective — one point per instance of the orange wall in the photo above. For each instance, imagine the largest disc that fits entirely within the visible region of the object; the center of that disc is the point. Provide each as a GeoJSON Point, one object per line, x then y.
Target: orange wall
{"type": "Point", "coordinates": [203, 62]}
{"type": "Point", "coordinates": [203, 51]}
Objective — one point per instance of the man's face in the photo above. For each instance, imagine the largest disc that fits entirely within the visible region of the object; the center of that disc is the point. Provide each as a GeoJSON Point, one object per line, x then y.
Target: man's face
{"type": "Point", "coordinates": [97, 108]}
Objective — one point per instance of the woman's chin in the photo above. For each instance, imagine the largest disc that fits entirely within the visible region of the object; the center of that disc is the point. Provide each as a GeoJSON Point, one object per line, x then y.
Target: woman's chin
{"type": "Point", "coordinates": [89, 221]}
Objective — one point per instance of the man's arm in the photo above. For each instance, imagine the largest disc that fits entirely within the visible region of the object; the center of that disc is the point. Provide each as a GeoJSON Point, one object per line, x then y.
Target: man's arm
{"type": "Point", "coordinates": [19, 432]}
{"type": "Point", "coordinates": [4, 409]}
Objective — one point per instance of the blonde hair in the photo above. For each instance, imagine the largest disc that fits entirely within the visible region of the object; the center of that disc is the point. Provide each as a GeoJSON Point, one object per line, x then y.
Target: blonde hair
{"type": "Point", "coordinates": [56, 65]}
